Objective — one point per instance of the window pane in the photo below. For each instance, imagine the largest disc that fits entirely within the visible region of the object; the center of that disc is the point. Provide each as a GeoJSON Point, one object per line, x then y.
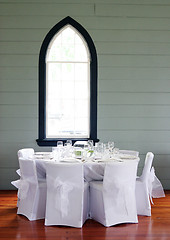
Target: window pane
{"type": "Point", "coordinates": [67, 93]}
{"type": "Point", "coordinates": [68, 46]}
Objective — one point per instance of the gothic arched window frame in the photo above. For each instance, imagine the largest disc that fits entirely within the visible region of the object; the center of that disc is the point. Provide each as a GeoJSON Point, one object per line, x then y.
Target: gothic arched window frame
{"type": "Point", "coordinates": [43, 140]}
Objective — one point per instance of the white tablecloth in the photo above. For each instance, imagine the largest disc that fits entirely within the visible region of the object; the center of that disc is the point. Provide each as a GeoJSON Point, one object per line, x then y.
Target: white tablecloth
{"type": "Point", "coordinates": [92, 170]}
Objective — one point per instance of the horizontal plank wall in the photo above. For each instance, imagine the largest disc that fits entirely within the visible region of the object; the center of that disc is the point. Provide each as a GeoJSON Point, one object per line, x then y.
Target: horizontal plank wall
{"type": "Point", "coordinates": [132, 39]}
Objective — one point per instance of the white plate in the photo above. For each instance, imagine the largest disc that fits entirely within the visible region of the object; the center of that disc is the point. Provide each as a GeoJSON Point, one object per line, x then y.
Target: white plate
{"type": "Point", "coordinates": [71, 160]}
{"type": "Point", "coordinates": [129, 157]}
{"type": "Point", "coordinates": [42, 153]}
{"type": "Point", "coordinates": [109, 160]}
{"type": "Point", "coordinates": [43, 157]}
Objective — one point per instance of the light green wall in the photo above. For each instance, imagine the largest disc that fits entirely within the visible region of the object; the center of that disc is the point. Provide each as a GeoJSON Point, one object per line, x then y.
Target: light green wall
{"type": "Point", "coordinates": [132, 39]}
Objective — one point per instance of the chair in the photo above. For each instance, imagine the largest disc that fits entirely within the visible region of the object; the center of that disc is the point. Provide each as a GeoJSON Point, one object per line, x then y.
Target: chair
{"type": "Point", "coordinates": [129, 152]}
{"type": "Point", "coordinates": [24, 153]}
{"type": "Point", "coordinates": [113, 200]}
{"type": "Point", "coordinates": [31, 191]}
{"type": "Point", "coordinates": [67, 195]}
{"type": "Point", "coordinates": [143, 187]}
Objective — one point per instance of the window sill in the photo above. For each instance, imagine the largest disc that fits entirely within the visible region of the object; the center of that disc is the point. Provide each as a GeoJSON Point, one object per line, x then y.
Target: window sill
{"type": "Point", "coordinates": [50, 142]}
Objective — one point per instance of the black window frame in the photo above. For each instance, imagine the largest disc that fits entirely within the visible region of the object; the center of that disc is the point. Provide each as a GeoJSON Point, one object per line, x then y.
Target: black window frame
{"type": "Point", "coordinates": [42, 140]}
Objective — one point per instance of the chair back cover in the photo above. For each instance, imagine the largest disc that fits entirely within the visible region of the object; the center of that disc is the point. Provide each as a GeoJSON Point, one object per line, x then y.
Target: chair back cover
{"type": "Point", "coordinates": [113, 201]}
{"type": "Point", "coordinates": [28, 181]}
{"type": "Point", "coordinates": [25, 153]}
{"type": "Point", "coordinates": [119, 192]}
{"type": "Point", "coordinates": [144, 187]}
{"type": "Point", "coordinates": [28, 169]}
{"type": "Point", "coordinates": [31, 193]}
{"type": "Point", "coordinates": [65, 189]}
{"type": "Point", "coordinates": [148, 175]}
{"type": "Point", "coordinates": [22, 154]}
{"type": "Point", "coordinates": [147, 166]}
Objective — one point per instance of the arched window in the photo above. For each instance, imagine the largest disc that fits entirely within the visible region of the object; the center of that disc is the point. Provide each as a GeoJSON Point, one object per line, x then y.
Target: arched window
{"type": "Point", "coordinates": [67, 85]}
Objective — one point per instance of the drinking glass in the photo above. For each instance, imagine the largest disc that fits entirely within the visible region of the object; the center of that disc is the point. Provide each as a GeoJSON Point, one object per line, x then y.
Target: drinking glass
{"type": "Point", "coordinates": [90, 143]}
{"type": "Point", "coordinates": [111, 146]}
{"type": "Point", "coordinates": [60, 144]}
{"type": "Point", "coordinates": [99, 149]}
{"type": "Point", "coordinates": [69, 142]}
{"type": "Point", "coordinates": [116, 150]}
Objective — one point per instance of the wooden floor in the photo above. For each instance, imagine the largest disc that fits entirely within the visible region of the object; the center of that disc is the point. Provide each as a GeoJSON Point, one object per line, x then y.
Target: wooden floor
{"type": "Point", "coordinates": [13, 226]}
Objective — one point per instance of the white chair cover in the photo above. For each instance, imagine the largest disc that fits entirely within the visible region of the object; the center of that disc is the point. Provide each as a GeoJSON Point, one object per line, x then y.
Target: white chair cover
{"type": "Point", "coordinates": [67, 194]}
{"type": "Point", "coordinates": [31, 192]}
{"type": "Point", "coordinates": [113, 200]}
{"type": "Point", "coordinates": [18, 171]}
{"type": "Point", "coordinates": [25, 153]}
{"type": "Point", "coordinates": [144, 187]}
{"type": "Point", "coordinates": [129, 152]}
{"type": "Point", "coordinates": [16, 182]}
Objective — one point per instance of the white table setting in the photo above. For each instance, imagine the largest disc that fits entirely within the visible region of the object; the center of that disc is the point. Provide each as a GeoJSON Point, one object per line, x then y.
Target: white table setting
{"type": "Point", "coordinates": [94, 158]}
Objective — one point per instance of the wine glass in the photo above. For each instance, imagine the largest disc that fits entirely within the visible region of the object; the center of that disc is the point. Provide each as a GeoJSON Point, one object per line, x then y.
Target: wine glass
{"type": "Point", "coordinates": [69, 142]}
{"type": "Point", "coordinates": [60, 144]}
{"type": "Point", "coordinates": [90, 143]}
{"type": "Point", "coordinates": [111, 146]}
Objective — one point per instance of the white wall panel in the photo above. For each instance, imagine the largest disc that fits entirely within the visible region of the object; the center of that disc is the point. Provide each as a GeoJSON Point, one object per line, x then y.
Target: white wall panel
{"type": "Point", "coordinates": [138, 85]}
{"type": "Point", "coordinates": [133, 111]}
{"type": "Point", "coordinates": [18, 98]}
{"type": "Point", "coordinates": [134, 73]}
{"type": "Point", "coordinates": [19, 73]}
{"type": "Point", "coordinates": [36, 9]}
{"type": "Point", "coordinates": [134, 98]}
{"type": "Point", "coordinates": [144, 11]}
{"type": "Point", "coordinates": [133, 123]}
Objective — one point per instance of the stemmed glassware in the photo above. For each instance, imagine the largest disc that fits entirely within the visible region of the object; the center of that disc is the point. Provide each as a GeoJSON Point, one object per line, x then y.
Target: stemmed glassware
{"type": "Point", "coordinates": [69, 143]}
{"type": "Point", "coordinates": [60, 144]}
{"type": "Point", "coordinates": [87, 151]}
{"type": "Point", "coordinates": [58, 151]}
{"type": "Point", "coordinates": [99, 148]}
{"type": "Point", "coordinates": [111, 147]}
{"type": "Point", "coordinates": [90, 143]}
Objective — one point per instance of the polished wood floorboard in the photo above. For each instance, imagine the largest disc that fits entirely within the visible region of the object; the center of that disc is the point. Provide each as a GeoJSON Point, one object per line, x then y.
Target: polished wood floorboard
{"type": "Point", "coordinates": [13, 226]}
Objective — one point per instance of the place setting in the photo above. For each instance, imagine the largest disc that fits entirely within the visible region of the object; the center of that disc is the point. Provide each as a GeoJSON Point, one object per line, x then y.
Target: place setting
{"type": "Point", "coordinates": [87, 151]}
